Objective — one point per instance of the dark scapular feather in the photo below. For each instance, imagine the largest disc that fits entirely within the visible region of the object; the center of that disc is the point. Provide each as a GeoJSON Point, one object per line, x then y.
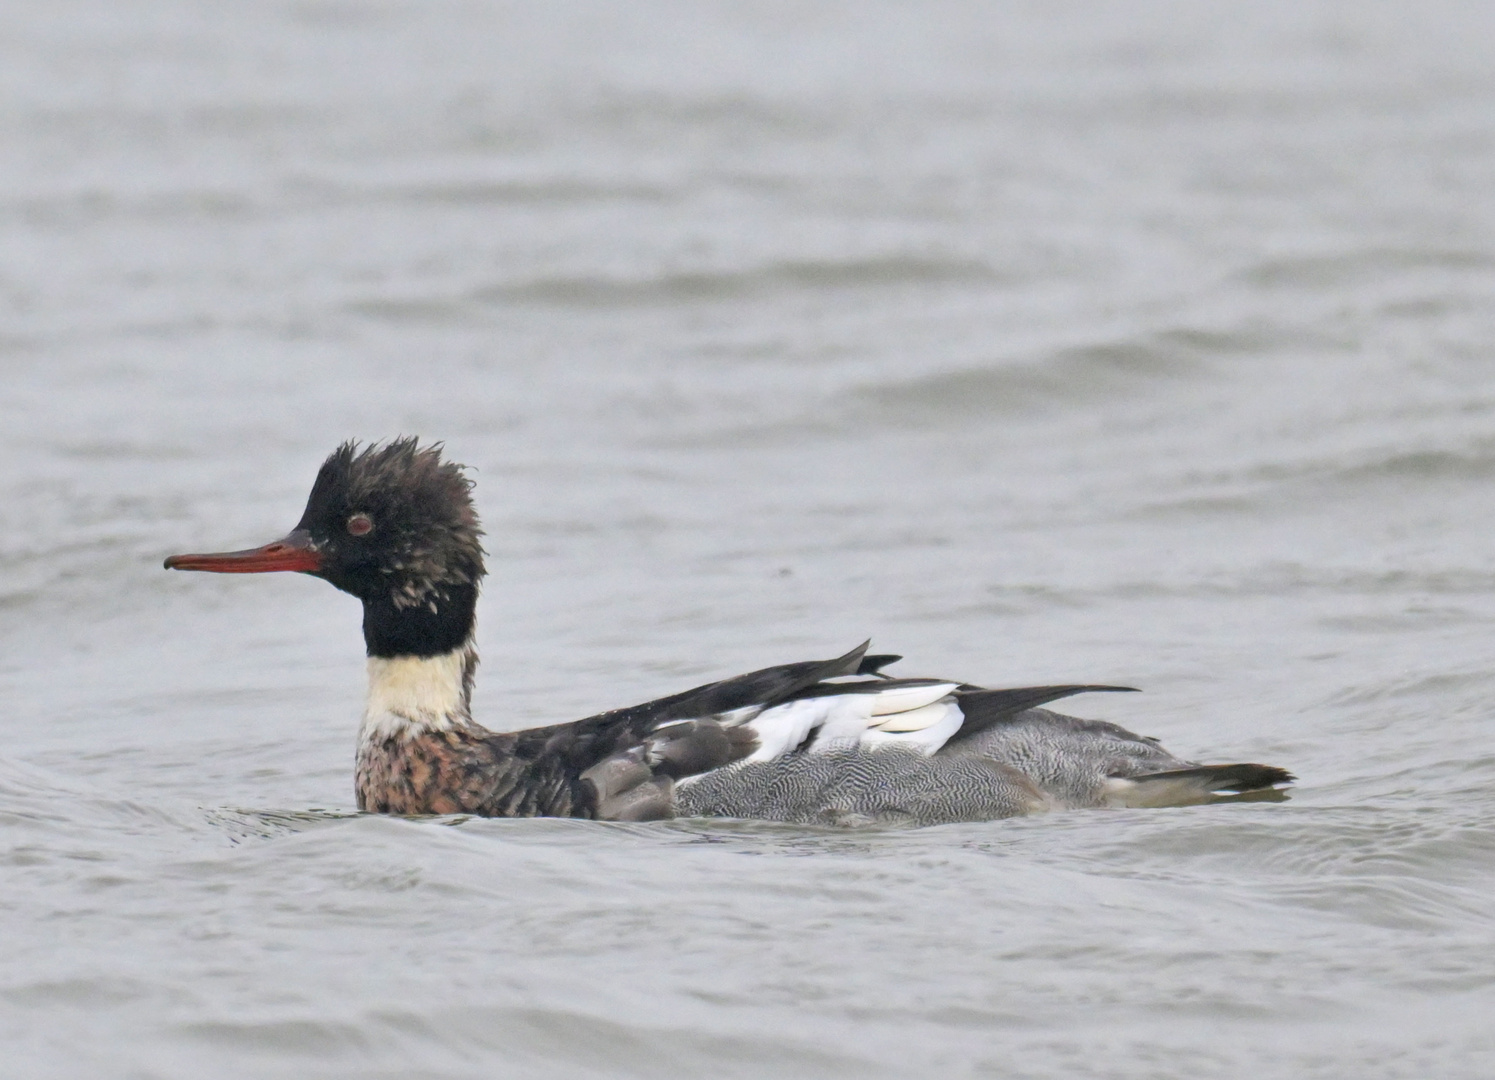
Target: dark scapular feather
{"type": "Point", "coordinates": [984, 709]}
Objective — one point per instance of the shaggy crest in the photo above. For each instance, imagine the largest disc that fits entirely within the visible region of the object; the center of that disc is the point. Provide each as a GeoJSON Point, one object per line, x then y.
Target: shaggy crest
{"type": "Point", "coordinates": [395, 515]}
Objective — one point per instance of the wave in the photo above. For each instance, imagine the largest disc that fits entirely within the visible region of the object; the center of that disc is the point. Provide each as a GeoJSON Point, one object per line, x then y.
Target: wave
{"type": "Point", "coordinates": [1273, 578]}
{"type": "Point", "coordinates": [1342, 268]}
{"type": "Point", "coordinates": [1077, 375]}
{"type": "Point", "coordinates": [873, 272]}
{"type": "Point", "coordinates": [1474, 461]}
{"type": "Point", "coordinates": [600, 291]}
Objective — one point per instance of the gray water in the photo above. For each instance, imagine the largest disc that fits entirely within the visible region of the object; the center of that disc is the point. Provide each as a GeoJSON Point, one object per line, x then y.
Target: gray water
{"type": "Point", "coordinates": [1141, 342]}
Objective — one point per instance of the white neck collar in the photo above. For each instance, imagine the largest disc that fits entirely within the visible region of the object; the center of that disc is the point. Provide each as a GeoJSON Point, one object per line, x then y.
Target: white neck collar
{"type": "Point", "coordinates": [413, 695]}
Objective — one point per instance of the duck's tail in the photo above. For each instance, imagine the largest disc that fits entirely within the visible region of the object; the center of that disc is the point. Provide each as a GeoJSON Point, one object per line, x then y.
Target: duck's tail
{"type": "Point", "coordinates": [1202, 783]}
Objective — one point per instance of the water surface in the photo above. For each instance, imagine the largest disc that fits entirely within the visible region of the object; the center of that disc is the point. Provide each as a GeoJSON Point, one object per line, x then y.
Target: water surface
{"type": "Point", "coordinates": [1142, 343]}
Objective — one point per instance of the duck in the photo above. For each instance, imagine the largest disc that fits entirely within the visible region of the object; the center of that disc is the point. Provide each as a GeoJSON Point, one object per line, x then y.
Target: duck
{"type": "Point", "coordinates": [820, 742]}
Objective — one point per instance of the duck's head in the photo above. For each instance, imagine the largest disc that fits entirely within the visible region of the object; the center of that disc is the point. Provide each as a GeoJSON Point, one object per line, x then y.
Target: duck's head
{"type": "Point", "coordinates": [394, 525]}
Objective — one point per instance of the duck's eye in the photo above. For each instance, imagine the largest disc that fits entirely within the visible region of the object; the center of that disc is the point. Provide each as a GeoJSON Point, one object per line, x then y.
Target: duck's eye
{"type": "Point", "coordinates": [360, 524]}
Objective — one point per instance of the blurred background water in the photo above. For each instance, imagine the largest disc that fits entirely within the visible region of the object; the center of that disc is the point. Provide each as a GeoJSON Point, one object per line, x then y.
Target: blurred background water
{"type": "Point", "coordinates": [1140, 342]}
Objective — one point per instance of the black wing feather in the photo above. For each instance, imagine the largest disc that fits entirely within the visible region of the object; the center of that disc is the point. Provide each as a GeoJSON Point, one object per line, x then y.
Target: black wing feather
{"type": "Point", "coordinates": [584, 743]}
{"type": "Point", "coordinates": [987, 708]}
{"type": "Point", "coordinates": [873, 665]}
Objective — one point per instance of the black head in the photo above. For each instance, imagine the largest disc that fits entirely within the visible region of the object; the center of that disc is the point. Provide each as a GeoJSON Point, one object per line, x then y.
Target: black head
{"type": "Point", "coordinates": [394, 525]}
{"type": "Point", "coordinates": [393, 521]}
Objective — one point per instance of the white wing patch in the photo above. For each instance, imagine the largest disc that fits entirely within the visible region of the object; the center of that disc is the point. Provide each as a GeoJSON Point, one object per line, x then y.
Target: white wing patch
{"type": "Point", "coordinates": [921, 718]}
{"type": "Point", "coordinates": [902, 699]}
{"type": "Point", "coordinates": [912, 720]}
{"type": "Point", "coordinates": [944, 720]}
{"type": "Point", "coordinates": [845, 724]}
{"type": "Point", "coordinates": [782, 728]}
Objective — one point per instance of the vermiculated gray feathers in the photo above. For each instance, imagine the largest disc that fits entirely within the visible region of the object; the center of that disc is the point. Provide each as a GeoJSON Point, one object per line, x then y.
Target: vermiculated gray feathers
{"type": "Point", "coordinates": [1069, 758]}
{"type": "Point", "coordinates": [857, 786]}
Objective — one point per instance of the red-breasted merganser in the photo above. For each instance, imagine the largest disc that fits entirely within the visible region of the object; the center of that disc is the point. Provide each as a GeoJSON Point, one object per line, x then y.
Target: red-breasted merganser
{"type": "Point", "coordinates": [827, 741]}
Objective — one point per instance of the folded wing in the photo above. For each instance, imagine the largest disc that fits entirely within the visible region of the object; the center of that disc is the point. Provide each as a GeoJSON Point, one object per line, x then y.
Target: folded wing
{"type": "Point", "coordinates": [634, 758]}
